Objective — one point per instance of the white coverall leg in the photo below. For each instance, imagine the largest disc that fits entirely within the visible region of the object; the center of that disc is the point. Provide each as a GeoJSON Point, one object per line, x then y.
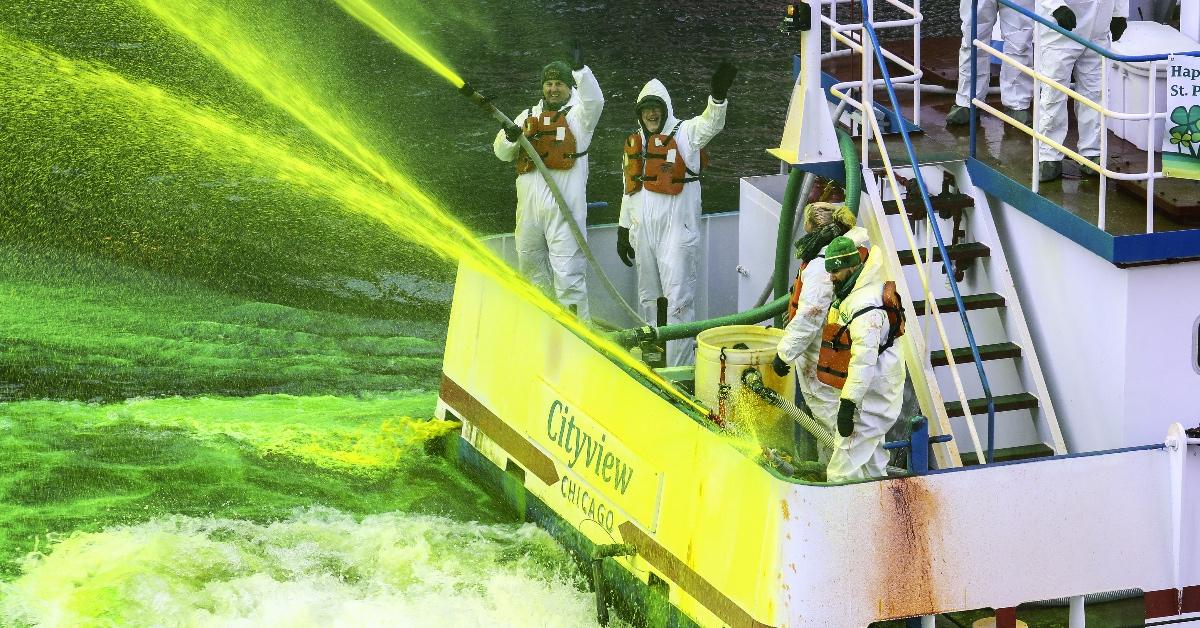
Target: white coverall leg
{"type": "Point", "coordinates": [668, 262]}
{"type": "Point", "coordinates": [547, 252]}
{"type": "Point", "coordinates": [1062, 58]}
{"type": "Point", "coordinates": [665, 227]}
{"type": "Point", "coordinates": [1016, 87]}
{"type": "Point", "coordinates": [861, 455]}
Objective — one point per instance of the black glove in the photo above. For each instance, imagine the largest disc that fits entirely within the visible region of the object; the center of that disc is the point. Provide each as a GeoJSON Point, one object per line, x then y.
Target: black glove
{"type": "Point", "coordinates": [624, 248]}
{"type": "Point", "coordinates": [576, 56]}
{"type": "Point", "coordinates": [512, 132]}
{"type": "Point", "coordinates": [846, 418]}
{"type": "Point", "coordinates": [1065, 17]}
{"type": "Point", "coordinates": [1117, 26]}
{"type": "Point", "coordinates": [781, 368]}
{"type": "Point", "coordinates": [722, 79]}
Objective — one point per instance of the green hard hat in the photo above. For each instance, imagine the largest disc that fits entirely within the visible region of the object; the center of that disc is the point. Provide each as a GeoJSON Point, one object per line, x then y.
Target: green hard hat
{"type": "Point", "coordinates": [558, 71]}
{"type": "Point", "coordinates": [841, 253]}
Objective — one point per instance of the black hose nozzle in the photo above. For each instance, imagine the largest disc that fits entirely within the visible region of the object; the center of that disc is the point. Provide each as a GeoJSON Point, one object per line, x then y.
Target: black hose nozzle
{"type": "Point", "coordinates": [468, 90]}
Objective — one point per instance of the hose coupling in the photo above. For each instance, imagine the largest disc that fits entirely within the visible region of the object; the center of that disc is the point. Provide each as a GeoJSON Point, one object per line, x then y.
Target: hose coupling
{"type": "Point", "coordinates": [468, 90]}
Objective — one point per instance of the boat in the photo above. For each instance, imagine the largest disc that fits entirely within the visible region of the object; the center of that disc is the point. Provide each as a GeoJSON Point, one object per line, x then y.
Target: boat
{"type": "Point", "coordinates": [1053, 354]}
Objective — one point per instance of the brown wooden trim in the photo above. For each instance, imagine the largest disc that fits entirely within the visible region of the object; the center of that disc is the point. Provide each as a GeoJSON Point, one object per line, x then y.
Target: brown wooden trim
{"type": "Point", "coordinates": [1162, 603]}
{"type": "Point", "coordinates": [687, 579]}
{"type": "Point", "coordinates": [517, 446]}
{"type": "Point", "coordinates": [1191, 599]}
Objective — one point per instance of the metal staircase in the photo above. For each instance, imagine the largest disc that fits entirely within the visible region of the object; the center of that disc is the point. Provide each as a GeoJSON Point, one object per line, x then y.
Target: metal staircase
{"type": "Point", "coordinates": [1026, 425]}
{"type": "Point", "coordinates": [979, 378]}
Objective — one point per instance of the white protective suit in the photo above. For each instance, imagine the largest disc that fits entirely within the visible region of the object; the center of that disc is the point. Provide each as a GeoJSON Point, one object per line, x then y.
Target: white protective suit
{"type": "Point", "coordinates": [801, 343]}
{"type": "Point", "coordinates": [1060, 58]}
{"type": "Point", "coordinates": [547, 252]}
{"type": "Point", "coordinates": [874, 382]}
{"type": "Point", "coordinates": [664, 228]}
{"type": "Point", "coordinates": [1016, 87]}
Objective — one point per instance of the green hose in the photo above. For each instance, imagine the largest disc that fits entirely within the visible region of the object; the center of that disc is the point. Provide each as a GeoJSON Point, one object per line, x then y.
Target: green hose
{"type": "Point", "coordinates": [853, 170]}
{"type": "Point", "coordinates": [631, 337]}
{"type": "Point", "coordinates": [798, 183]}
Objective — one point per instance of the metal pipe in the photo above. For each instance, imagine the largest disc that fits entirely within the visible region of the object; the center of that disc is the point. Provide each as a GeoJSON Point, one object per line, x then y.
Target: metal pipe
{"type": "Point", "coordinates": [1077, 618]}
{"type": "Point", "coordinates": [598, 555]}
{"type": "Point", "coordinates": [486, 104]}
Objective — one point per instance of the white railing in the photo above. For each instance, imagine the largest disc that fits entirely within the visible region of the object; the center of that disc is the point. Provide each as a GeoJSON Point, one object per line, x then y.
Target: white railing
{"type": "Point", "coordinates": [850, 35]}
{"type": "Point", "coordinates": [1108, 59]}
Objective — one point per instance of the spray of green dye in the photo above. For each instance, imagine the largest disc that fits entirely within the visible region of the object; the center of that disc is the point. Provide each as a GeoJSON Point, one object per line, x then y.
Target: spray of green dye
{"type": "Point", "coordinates": [366, 13]}
{"type": "Point", "coordinates": [405, 208]}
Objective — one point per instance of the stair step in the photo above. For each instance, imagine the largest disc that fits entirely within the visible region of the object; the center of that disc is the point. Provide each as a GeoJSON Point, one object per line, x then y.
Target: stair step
{"type": "Point", "coordinates": [941, 203]}
{"type": "Point", "coordinates": [1004, 403]}
{"type": "Point", "coordinates": [1023, 452]}
{"type": "Point", "coordinates": [971, 302]}
{"type": "Point", "coordinates": [958, 252]}
{"type": "Point", "coordinates": [997, 351]}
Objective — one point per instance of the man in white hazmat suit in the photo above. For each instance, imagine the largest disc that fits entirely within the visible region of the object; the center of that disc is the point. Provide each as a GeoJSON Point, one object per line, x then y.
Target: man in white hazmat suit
{"type": "Point", "coordinates": [660, 207]}
{"type": "Point", "coordinates": [1016, 87]}
{"type": "Point", "coordinates": [859, 356]}
{"type": "Point", "coordinates": [1061, 58]}
{"type": "Point", "coordinates": [560, 128]}
{"type": "Point", "coordinates": [801, 342]}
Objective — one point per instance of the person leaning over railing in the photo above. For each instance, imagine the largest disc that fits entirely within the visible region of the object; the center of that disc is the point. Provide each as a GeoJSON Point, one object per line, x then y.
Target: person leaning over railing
{"type": "Point", "coordinates": [1061, 58]}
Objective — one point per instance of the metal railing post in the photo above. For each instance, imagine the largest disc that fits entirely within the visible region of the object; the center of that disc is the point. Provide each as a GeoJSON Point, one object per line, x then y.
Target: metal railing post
{"type": "Point", "coordinates": [918, 444]}
{"type": "Point", "coordinates": [1101, 219]}
{"type": "Point", "coordinates": [974, 118]}
{"type": "Point", "coordinates": [1151, 109]}
{"type": "Point", "coordinates": [917, 65]}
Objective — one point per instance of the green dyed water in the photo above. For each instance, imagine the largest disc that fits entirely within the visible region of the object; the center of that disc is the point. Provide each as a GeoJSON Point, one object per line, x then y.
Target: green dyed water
{"type": "Point", "coordinates": [316, 508]}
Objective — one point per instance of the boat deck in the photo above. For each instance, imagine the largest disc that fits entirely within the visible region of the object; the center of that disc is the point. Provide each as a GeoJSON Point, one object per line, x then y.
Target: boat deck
{"type": "Point", "coordinates": [1010, 151]}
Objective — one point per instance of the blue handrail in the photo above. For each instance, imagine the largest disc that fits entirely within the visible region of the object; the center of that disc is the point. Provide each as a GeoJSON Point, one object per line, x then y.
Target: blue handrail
{"type": "Point", "coordinates": [937, 234]}
{"type": "Point", "coordinates": [1089, 44]}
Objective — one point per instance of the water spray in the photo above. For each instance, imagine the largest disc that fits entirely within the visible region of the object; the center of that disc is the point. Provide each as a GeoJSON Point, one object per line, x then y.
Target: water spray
{"type": "Point", "coordinates": [753, 380]}
{"type": "Point", "coordinates": [485, 103]}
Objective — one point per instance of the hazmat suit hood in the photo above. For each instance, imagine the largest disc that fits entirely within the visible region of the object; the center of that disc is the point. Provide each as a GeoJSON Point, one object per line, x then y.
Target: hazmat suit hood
{"type": "Point", "coordinates": [656, 90]}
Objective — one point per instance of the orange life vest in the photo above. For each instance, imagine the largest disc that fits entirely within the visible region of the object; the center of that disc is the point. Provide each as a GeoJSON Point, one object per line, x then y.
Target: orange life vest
{"type": "Point", "coordinates": [794, 301]}
{"type": "Point", "coordinates": [658, 167]}
{"type": "Point", "coordinates": [833, 363]}
{"type": "Point", "coordinates": [552, 139]}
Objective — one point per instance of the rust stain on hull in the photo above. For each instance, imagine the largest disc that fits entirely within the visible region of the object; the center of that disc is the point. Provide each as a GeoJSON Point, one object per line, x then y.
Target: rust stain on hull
{"type": "Point", "coordinates": [904, 553]}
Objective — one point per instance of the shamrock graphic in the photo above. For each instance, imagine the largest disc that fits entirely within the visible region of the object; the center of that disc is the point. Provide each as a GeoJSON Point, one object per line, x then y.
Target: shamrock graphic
{"type": "Point", "coordinates": [1186, 132]}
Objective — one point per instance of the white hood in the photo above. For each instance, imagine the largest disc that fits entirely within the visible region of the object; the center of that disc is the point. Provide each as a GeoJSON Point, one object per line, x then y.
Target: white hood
{"type": "Point", "coordinates": [654, 87]}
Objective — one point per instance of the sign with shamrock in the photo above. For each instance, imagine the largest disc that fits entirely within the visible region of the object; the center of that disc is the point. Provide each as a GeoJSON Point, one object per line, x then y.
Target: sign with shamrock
{"type": "Point", "coordinates": [1181, 142]}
